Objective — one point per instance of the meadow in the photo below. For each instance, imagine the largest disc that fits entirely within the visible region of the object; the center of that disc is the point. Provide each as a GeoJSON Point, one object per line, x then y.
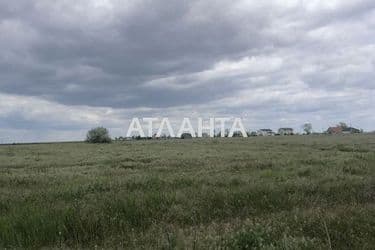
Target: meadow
{"type": "Point", "coordinates": [291, 192]}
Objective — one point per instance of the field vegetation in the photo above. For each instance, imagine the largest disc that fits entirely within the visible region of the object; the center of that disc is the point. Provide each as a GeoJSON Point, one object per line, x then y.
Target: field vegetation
{"type": "Point", "coordinates": [290, 192]}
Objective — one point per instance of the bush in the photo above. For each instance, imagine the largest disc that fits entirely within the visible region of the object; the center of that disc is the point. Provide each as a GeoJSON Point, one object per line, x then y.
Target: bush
{"type": "Point", "coordinates": [98, 135]}
{"type": "Point", "coordinates": [186, 136]}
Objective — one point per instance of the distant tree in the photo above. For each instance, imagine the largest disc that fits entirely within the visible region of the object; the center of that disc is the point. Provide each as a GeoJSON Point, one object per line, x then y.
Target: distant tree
{"type": "Point", "coordinates": [307, 127]}
{"type": "Point", "coordinates": [237, 134]}
{"type": "Point", "coordinates": [136, 137]}
{"type": "Point", "coordinates": [342, 125]}
{"type": "Point", "coordinates": [186, 136]}
{"type": "Point", "coordinates": [98, 135]}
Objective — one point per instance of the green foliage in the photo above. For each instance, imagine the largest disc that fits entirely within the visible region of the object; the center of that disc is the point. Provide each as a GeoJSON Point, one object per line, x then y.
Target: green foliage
{"type": "Point", "coordinates": [307, 128]}
{"type": "Point", "coordinates": [186, 136]}
{"type": "Point", "coordinates": [98, 135]}
{"type": "Point", "coordinates": [251, 238]}
{"type": "Point", "coordinates": [257, 236]}
{"type": "Point", "coordinates": [298, 192]}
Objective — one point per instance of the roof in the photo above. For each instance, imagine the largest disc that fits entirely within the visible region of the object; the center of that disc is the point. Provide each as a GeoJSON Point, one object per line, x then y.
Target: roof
{"type": "Point", "coordinates": [266, 130]}
{"type": "Point", "coordinates": [338, 129]}
{"type": "Point", "coordinates": [350, 129]}
{"type": "Point", "coordinates": [334, 129]}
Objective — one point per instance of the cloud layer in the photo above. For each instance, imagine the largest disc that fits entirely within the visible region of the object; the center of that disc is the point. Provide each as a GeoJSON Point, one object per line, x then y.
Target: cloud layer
{"type": "Point", "coordinates": [67, 66]}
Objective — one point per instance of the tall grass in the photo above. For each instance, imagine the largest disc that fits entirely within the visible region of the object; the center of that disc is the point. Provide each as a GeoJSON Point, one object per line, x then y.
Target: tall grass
{"type": "Point", "coordinates": [298, 192]}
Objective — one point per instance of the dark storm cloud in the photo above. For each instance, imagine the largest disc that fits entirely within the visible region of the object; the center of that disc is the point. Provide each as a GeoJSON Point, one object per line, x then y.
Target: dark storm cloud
{"type": "Point", "coordinates": [152, 40]}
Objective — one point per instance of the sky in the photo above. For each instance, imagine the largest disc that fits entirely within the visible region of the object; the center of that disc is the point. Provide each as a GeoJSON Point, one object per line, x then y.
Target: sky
{"type": "Point", "coordinates": [67, 66]}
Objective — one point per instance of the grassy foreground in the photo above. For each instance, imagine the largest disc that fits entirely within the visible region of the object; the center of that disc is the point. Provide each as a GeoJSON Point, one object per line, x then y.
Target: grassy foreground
{"type": "Point", "coordinates": [298, 192]}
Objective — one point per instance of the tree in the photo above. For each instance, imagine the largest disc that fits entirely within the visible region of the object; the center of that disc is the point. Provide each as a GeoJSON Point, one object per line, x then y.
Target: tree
{"type": "Point", "coordinates": [98, 135]}
{"type": "Point", "coordinates": [342, 125]}
{"type": "Point", "coordinates": [186, 136]}
{"type": "Point", "coordinates": [307, 127]}
{"type": "Point", "coordinates": [237, 134]}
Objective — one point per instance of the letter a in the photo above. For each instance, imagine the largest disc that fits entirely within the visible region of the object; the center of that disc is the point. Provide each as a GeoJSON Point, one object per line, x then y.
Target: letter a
{"type": "Point", "coordinates": [135, 126]}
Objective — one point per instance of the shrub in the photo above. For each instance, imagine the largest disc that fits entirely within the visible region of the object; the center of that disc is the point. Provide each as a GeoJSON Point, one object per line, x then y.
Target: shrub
{"type": "Point", "coordinates": [98, 135]}
{"type": "Point", "coordinates": [186, 136]}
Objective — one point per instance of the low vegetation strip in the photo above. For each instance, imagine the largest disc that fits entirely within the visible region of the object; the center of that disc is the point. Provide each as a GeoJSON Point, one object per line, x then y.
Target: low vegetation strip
{"type": "Point", "coordinates": [295, 192]}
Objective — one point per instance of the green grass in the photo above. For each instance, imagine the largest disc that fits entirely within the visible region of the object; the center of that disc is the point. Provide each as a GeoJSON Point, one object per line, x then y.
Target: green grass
{"type": "Point", "coordinates": [298, 192]}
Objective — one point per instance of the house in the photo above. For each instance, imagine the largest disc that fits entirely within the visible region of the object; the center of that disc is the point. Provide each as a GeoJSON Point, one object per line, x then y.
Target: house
{"type": "Point", "coordinates": [252, 133]}
{"type": "Point", "coordinates": [342, 130]}
{"type": "Point", "coordinates": [350, 130]}
{"type": "Point", "coordinates": [265, 132]}
{"type": "Point", "coordinates": [285, 131]}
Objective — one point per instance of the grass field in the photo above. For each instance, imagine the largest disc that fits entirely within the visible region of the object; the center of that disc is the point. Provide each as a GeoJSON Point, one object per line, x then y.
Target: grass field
{"type": "Point", "coordinates": [298, 192]}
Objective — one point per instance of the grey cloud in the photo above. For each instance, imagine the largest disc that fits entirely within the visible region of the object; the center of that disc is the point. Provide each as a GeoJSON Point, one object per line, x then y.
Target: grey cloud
{"type": "Point", "coordinates": [151, 41]}
{"type": "Point", "coordinates": [164, 56]}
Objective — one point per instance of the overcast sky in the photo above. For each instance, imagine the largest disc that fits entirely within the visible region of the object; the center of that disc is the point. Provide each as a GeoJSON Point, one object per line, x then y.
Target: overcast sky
{"type": "Point", "coordinates": [67, 66]}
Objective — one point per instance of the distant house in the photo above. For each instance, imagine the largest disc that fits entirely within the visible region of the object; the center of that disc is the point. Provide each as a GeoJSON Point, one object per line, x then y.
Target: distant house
{"type": "Point", "coordinates": [350, 130]}
{"type": "Point", "coordinates": [265, 132]}
{"type": "Point", "coordinates": [285, 131]}
{"type": "Point", "coordinates": [342, 130]}
{"type": "Point", "coordinates": [252, 133]}
{"type": "Point", "coordinates": [334, 130]}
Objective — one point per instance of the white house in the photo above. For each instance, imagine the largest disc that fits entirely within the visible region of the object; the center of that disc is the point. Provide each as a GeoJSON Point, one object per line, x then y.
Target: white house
{"type": "Point", "coordinates": [265, 132]}
{"type": "Point", "coordinates": [285, 131]}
